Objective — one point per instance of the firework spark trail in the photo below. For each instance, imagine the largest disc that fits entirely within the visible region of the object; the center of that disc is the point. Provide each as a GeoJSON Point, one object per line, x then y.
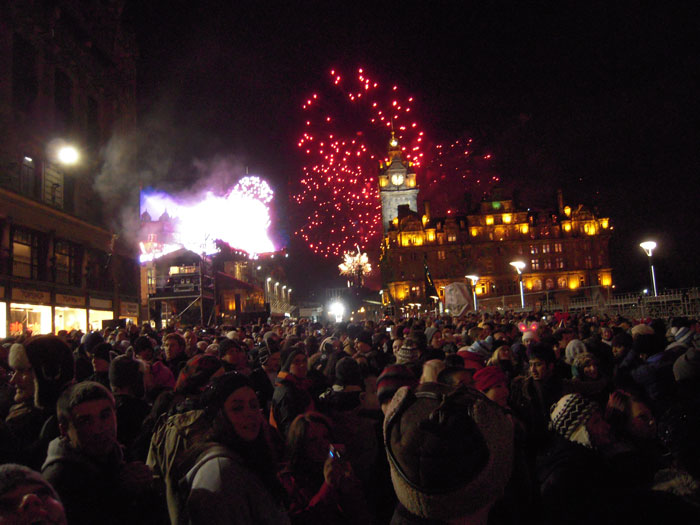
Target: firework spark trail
{"type": "Point", "coordinates": [346, 131]}
{"type": "Point", "coordinates": [462, 164]}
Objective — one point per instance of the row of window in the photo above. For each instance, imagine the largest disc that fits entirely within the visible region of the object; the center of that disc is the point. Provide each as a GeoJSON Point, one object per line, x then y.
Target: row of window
{"type": "Point", "coordinates": [30, 259]}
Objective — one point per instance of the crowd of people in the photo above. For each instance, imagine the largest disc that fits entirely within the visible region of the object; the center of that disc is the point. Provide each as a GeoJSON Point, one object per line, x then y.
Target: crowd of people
{"type": "Point", "coordinates": [499, 419]}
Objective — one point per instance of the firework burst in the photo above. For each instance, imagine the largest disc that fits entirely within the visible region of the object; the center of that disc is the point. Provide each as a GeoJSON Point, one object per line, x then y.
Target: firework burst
{"type": "Point", "coordinates": [462, 165]}
{"type": "Point", "coordinates": [347, 127]}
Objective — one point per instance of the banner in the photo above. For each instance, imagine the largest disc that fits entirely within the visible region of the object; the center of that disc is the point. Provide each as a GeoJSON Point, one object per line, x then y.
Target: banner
{"type": "Point", "coordinates": [457, 298]}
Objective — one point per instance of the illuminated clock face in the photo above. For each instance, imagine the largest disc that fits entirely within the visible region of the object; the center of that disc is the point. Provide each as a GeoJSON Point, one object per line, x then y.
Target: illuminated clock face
{"type": "Point", "coordinates": [397, 179]}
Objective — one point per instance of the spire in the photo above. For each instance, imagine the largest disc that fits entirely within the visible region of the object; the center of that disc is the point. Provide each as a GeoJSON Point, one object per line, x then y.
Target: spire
{"type": "Point", "coordinates": [394, 149]}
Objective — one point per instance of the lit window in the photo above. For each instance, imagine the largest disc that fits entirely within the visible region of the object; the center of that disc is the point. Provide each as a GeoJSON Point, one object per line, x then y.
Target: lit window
{"type": "Point", "coordinates": [475, 232]}
{"type": "Point", "coordinates": [559, 263]}
{"type": "Point", "coordinates": [557, 247]}
{"type": "Point", "coordinates": [547, 264]}
{"type": "Point", "coordinates": [451, 237]}
{"type": "Point", "coordinates": [441, 255]}
{"type": "Point", "coordinates": [533, 249]}
{"type": "Point", "coordinates": [545, 248]}
{"type": "Point", "coordinates": [561, 282]}
{"type": "Point", "coordinates": [524, 228]}
{"type": "Point", "coordinates": [535, 264]}
{"type": "Point", "coordinates": [567, 227]}
{"type": "Point", "coordinates": [537, 284]}
{"type": "Point", "coordinates": [507, 218]}
{"type": "Point", "coordinates": [489, 220]}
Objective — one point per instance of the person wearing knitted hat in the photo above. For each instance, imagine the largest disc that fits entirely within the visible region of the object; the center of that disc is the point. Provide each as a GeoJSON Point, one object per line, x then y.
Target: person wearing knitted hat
{"type": "Point", "coordinates": [569, 464]}
{"type": "Point", "coordinates": [197, 373]}
{"type": "Point", "coordinates": [26, 497]}
{"type": "Point", "coordinates": [450, 454]}
{"type": "Point", "coordinates": [390, 380]}
{"type": "Point", "coordinates": [493, 383]}
{"type": "Point", "coordinates": [291, 396]}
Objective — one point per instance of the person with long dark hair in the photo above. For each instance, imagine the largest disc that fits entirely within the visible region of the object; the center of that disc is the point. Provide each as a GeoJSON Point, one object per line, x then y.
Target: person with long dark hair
{"type": "Point", "coordinates": [233, 478]}
{"type": "Point", "coordinates": [320, 484]}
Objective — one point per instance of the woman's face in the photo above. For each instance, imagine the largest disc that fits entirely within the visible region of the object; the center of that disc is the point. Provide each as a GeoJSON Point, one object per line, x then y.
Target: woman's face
{"type": "Point", "coordinates": [243, 411]}
{"type": "Point", "coordinates": [316, 443]}
{"type": "Point", "coordinates": [641, 423]}
{"type": "Point", "coordinates": [298, 367]}
{"type": "Point", "coordinates": [498, 393]}
{"type": "Point", "coordinates": [591, 370]}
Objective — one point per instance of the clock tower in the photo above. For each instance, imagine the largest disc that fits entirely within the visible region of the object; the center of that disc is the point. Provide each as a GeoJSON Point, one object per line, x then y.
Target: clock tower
{"type": "Point", "coordinates": [397, 184]}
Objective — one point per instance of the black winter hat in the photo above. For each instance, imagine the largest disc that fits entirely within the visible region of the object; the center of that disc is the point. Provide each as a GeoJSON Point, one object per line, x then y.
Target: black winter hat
{"type": "Point", "coordinates": [221, 388]}
{"type": "Point", "coordinates": [53, 366]}
{"type": "Point", "coordinates": [125, 372]}
{"type": "Point", "coordinates": [365, 337]}
{"type": "Point", "coordinates": [347, 372]}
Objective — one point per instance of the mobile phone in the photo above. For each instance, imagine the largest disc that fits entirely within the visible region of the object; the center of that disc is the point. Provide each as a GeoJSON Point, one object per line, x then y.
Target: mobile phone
{"type": "Point", "coordinates": [333, 452]}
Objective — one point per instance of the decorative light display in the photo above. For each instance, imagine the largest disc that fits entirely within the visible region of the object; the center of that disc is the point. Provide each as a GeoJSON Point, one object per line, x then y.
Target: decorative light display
{"type": "Point", "coordinates": [240, 218]}
{"type": "Point", "coordinates": [356, 266]}
{"type": "Point", "coordinates": [347, 127]}
{"type": "Point", "coordinates": [461, 164]}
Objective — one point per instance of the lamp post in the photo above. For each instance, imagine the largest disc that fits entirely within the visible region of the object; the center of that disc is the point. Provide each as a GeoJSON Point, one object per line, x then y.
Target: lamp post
{"type": "Point", "coordinates": [648, 247]}
{"type": "Point", "coordinates": [474, 279]}
{"type": "Point", "coordinates": [519, 265]}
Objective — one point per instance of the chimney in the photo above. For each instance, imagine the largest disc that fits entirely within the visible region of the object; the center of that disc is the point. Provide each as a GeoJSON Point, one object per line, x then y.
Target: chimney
{"type": "Point", "coordinates": [426, 206]}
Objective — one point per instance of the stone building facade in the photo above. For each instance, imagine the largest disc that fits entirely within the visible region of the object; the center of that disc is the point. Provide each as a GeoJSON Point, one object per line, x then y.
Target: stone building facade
{"type": "Point", "coordinates": [565, 252]}
{"type": "Point", "coordinates": [68, 77]}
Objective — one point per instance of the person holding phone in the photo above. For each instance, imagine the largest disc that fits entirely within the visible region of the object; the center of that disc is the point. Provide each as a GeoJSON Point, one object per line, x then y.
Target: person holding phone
{"type": "Point", "coordinates": [320, 484]}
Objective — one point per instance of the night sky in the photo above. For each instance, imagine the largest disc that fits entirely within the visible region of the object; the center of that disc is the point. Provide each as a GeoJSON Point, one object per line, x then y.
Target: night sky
{"type": "Point", "coordinates": [597, 98]}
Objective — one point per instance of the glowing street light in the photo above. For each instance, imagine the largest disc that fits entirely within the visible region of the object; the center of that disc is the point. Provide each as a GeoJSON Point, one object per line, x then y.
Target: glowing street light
{"type": "Point", "coordinates": [336, 309]}
{"type": "Point", "coordinates": [474, 279]}
{"type": "Point", "coordinates": [648, 247]}
{"type": "Point", "coordinates": [519, 266]}
{"type": "Point", "coordinates": [68, 155]}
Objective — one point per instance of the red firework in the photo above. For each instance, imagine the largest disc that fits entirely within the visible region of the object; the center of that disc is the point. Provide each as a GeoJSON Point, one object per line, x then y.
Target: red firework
{"type": "Point", "coordinates": [464, 168]}
{"type": "Point", "coordinates": [347, 128]}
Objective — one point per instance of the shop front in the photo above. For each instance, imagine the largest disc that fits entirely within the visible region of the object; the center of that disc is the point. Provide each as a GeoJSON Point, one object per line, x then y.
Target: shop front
{"type": "Point", "coordinates": [129, 311]}
{"type": "Point", "coordinates": [100, 311]}
{"type": "Point", "coordinates": [30, 312]}
{"type": "Point", "coordinates": [70, 313]}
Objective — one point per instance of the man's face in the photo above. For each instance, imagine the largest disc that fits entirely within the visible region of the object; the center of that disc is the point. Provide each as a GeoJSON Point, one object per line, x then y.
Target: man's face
{"type": "Point", "coordinates": [23, 381]}
{"type": "Point", "coordinates": [190, 339]}
{"type": "Point", "coordinates": [31, 503]}
{"type": "Point", "coordinates": [237, 357]}
{"type": "Point", "coordinates": [539, 369]}
{"type": "Point", "coordinates": [361, 347]}
{"type": "Point", "coordinates": [618, 351]}
{"type": "Point", "coordinates": [273, 362]}
{"type": "Point", "coordinates": [436, 341]}
{"type": "Point", "coordinates": [92, 428]}
{"type": "Point", "coordinates": [172, 349]}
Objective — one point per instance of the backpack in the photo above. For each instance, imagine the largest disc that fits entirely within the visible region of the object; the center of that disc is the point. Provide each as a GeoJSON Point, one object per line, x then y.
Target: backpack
{"type": "Point", "coordinates": [184, 483]}
{"type": "Point", "coordinates": [173, 437]}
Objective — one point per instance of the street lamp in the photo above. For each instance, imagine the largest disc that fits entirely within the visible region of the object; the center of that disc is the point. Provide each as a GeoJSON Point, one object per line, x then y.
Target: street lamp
{"type": "Point", "coordinates": [474, 279]}
{"type": "Point", "coordinates": [519, 265]}
{"type": "Point", "coordinates": [648, 247]}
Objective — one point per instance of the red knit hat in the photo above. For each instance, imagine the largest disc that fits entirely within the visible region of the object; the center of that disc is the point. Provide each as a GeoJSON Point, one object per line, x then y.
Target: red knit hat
{"type": "Point", "coordinates": [472, 360]}
{"type": "Point", "coordinates": [488, 377]}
